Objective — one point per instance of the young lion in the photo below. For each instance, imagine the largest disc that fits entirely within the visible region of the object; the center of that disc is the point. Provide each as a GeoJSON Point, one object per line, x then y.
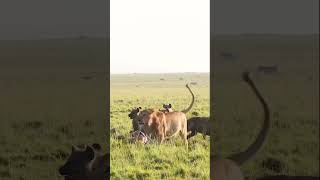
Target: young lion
{"type": "Point", "coordinates": [228, 169]}
{"type": "Point", "coordinates": [163, 125]}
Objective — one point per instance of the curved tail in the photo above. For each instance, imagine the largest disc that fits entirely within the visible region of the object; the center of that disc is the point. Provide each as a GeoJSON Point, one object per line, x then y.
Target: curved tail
{"type": "Point", "coordinates": [241, 157]}
{"type": "Point", "coordinates": [190, 106]}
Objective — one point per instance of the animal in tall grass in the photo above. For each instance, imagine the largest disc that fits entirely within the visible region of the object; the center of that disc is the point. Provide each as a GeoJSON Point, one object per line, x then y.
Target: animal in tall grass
{"type": "Point", "coordinates": [87, 163]}
{"type": "Point", "coordinates": [229, 168]}
{"type": "Point", "coordinates": [160, 126]}
{"type": "Point", "coordinates": [135, 111]}
{"type": "Point", "coordinates": [198, 125]}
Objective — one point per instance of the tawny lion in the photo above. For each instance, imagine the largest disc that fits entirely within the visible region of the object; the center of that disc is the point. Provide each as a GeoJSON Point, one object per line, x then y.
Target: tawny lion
{"type": "Point", "coordinates": [228, 169]}
{"type": "Point", "coordinates": [159, 125]}
{"type": "Point", "coordinates": [134, 112]}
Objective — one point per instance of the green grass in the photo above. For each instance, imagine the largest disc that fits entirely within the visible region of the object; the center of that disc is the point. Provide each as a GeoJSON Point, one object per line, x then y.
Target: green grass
{"type": "Point", "coordinates": [45, 106]}
{"type": "Point", "coordinates": [170, 160]}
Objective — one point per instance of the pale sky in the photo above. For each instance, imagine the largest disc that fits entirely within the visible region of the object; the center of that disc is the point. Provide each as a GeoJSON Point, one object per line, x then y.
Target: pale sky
{"type": "Point", "coordinates": [159, 36]}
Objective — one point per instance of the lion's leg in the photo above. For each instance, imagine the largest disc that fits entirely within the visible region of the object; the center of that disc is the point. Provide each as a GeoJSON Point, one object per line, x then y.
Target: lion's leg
{"type": "Point", "coordinates": [184, 135]}
{"type": "Point", "coordinates": [161, 138]}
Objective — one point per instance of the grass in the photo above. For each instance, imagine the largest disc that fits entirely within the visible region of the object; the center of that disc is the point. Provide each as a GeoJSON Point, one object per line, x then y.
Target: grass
{"type": "Point", "coordinates": [46, 105]}
{"type": "Point", "coordinates": [170, 160]}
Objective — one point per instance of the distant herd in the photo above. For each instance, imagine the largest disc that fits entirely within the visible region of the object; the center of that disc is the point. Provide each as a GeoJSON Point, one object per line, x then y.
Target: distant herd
{"type": "Point", "coordinates": [89, 163]}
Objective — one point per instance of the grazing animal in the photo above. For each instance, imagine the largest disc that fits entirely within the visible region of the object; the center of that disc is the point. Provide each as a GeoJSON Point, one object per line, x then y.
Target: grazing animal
{"type": "Point", "coordinates": [134, 115]}
{"type": "Point", "coordinates": [166, 108]}
{"type": "Point", "coordinates": [198, 125]}
{"type": "Point", "coordinates": [159, 125]}
{"type": "Point", "coordinates": [88, 163]}
{"type": "Point", "coordinates": [228, 169]}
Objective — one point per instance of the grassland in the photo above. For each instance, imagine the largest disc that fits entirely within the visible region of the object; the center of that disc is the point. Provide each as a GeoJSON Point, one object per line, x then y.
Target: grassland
{"type": "Point", "coordinates": [292, 145]}
{"type": "Point", "coordinates": [170, 160]}
{"type": "Point", "coordinates": [47, 103]}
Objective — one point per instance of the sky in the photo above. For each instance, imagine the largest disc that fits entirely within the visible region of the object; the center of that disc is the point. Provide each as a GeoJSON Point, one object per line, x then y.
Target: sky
{"type": "Point", "coordinates": [32, 19]}
{"type": "Point", "coordinates": [156, 35]}
{"type": "Point", "coordinates": [167, 37]}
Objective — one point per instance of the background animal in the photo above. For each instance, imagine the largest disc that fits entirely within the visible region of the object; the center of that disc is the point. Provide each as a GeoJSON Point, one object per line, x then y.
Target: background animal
{"type": "Point", "coordinates": [229, 168]}
{"type": "Point", "coordinates": [198, 125]}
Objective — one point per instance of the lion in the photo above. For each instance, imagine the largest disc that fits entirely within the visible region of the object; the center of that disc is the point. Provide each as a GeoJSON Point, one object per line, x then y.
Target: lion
{"type": "Point", "coordinates": [159, 125]}
{"type": "Point", "coordinates": [198, 125]}
{"type": "Point", "coordinates": [87, 163]}
{"type": "Point", "coordinates": [229, 168]}
{"type": "Point", "coordinates": [135, 111]}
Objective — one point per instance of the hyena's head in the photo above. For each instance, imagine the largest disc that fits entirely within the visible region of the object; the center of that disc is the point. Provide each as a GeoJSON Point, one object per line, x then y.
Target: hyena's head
{"type": "Point", "coordinates": [134, 112]}
{"type": "Point", "coordinates": [78, 165]}
{"type": "Point", "coordinates": [167, 108]}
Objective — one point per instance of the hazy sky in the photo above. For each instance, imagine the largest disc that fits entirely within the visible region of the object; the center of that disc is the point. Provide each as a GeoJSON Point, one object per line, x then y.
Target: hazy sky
{"type": "Point", "coordinates": [165, 32]}
{"type": "Point", "coordinates": [21, 19]}
{"type": "Point", "coordinates": [168, 36]}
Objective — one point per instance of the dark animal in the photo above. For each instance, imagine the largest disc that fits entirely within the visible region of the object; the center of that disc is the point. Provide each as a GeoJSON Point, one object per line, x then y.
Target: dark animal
{"type": "Point", "coordinates": [88, 163]}
{"type": "Point", "coordinates": [198, 125]}
{"type": "Point", "coordinates": [134, 116]}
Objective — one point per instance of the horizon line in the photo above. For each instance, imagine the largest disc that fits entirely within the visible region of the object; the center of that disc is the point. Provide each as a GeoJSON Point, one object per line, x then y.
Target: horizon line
{"type": "Point", "coordinates": [130, 73]}
{"type": "Point", "coordinates": [107, 37]}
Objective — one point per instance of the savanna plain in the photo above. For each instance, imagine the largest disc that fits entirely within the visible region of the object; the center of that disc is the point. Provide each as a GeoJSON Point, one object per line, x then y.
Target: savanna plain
{"type": "Point", "coordinates": [53, 94]}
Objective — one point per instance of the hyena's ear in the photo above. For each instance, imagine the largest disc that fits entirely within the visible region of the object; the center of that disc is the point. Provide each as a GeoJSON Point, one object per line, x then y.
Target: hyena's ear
{"type": "Point", "coordinates": [140, 108]}
{"type": "Point", "coordinates": [170, 106]}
